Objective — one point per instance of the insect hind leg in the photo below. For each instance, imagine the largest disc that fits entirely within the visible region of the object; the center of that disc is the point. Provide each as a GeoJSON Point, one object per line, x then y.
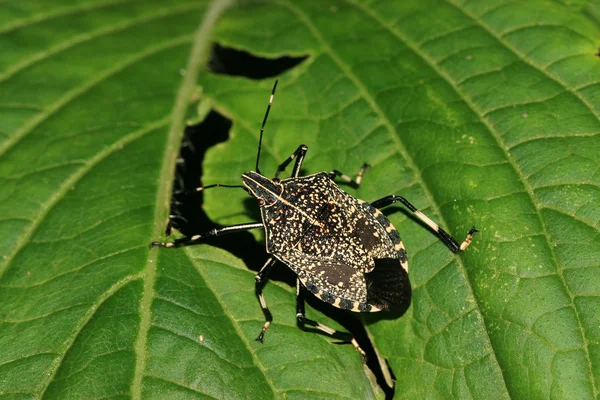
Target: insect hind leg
{"type": "Point", "coordinates": [355, 183]}
{"type": "Point", "coordinates": [302, 320]}
{"type": "Point", "coordinates": [444, 236]}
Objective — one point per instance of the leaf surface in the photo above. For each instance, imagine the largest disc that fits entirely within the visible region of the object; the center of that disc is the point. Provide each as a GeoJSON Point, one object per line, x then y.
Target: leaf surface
{"type": "Point", "coordinates": [481, 113]}
{"type": "Point", "coordinates": [93, 112]}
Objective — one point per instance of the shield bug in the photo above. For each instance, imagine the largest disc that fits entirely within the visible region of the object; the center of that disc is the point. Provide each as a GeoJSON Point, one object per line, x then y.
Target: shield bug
{"type": "Point", "coordinates": [343, 250]}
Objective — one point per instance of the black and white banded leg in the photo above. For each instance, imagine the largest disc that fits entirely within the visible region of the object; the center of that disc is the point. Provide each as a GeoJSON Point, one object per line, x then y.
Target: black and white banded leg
{"type": "Point", "coordinates": [201, 188]}
{"type": "Point", "coordinates": [301, 318]}
{"type": "Point", "coordinates": [446, 238]}
{"type": "Point", "coordinates": [298, 155]}
{"type": "Point", "coordinates": [260, 281]}
{"type": "Point", "coordinates": [355, 183]}
{"type": "Point", "coordinates": [196, 239]}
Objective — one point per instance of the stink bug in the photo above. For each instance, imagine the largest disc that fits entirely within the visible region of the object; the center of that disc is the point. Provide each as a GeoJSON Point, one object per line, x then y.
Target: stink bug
{"type": "Point", "coordinates": [343, 250]}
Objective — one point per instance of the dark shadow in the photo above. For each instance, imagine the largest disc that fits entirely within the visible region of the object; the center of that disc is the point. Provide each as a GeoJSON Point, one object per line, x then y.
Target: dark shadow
{"type": "Point", "coordinates": [187, 214]}
{"type": "Point", "coordinates": [228, 61]}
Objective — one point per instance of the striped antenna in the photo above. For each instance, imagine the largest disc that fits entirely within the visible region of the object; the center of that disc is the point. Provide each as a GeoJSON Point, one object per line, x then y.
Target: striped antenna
{"type": "Point", "coordinates": [262, 128]}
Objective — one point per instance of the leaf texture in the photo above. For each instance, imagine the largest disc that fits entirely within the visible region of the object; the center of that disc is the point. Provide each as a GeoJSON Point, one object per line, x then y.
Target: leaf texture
{"type": "Point", "coordinates": [480, 113]}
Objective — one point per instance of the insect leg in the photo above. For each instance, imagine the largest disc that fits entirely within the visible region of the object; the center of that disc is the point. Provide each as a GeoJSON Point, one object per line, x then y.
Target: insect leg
{"type": "Point", "coordinates": [301, 318]}
{"type": "Point", "coordinates": [201, 188]}
{"type": "Point", "coordinates": [190, 240]}
{"type": "Point", "coordinates": [300, 153]}
{"type": "Point", "coordinates": [355, 183]}
{"type": "Point", "coordinates": [261, 280]}
{"type": "Point", "coordinates": [446, 238]}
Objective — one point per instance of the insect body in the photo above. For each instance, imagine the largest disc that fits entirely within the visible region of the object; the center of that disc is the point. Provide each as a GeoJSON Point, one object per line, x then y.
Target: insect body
{"type": "Point", "coordinates": [343, 250]}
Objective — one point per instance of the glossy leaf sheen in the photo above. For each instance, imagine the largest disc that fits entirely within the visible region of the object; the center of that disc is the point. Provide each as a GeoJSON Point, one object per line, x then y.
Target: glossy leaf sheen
{"type": "Point", "coordinates": [481, 113]}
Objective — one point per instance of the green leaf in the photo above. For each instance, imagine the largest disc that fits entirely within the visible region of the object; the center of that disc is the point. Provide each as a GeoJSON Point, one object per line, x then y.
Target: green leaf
{"type": "Point", "coordinates": [93, 111]}
{"type": "Point", "coordinates": [481, 113]}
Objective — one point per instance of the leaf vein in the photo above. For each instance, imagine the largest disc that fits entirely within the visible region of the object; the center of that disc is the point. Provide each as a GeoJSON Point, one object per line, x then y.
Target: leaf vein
{"type": "Point", "coordinates": [81, 324]}
{"type": "Point", "coordinates": [158, 378]}
{"type": "Point", "coordinates": [63, 189]}
{"type": "Point", "coordinates": [83, 38]}
{"type": "Point", "coordinates": [238, 330]}
{"type": "Point", "coordinates": [197, 58]}
{"type": "Point", "coordinates": [220, 356]}
{"type": "Point", "coordinates": [79, 91]}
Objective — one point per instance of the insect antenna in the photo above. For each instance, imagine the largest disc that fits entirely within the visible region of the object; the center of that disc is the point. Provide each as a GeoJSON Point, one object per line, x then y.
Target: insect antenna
{"type": "Point", "coordinates": [262, 127]}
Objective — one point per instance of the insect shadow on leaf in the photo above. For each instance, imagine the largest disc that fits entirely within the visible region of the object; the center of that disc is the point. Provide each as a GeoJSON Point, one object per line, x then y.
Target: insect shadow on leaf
{"type": "Point", "coordinates": [343, 251]}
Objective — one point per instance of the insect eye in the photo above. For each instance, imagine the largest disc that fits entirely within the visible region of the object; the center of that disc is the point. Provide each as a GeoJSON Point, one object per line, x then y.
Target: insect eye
{"type": "Point", "coordinates": [261, 202]}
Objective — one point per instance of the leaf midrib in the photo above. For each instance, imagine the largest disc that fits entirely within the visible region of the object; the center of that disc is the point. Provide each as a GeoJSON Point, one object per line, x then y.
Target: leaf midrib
{"type": "Point", "coordinates": [198, 56]}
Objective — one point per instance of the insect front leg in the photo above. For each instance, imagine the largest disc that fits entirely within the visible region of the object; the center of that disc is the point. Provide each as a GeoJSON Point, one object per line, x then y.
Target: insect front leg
{"type": "Point", "coordinates": [261, 280]}
{"type": "Point", "coordinates": [299, 155]}
{"type": "Point", "coordinates": [301, 318]}
{"type": "Point", "coordinates": [446, 238]}
{"type": "Point", "coordinates": [355, 183]}
{"type": "Point", "coordinates": [196, 239]}
{"type": "Point", "coordinates": [201, 188]}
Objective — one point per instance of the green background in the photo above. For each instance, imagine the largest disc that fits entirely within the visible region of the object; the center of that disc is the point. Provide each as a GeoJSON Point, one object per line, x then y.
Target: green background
{"type": "Point", "coordinates": [481, 113]}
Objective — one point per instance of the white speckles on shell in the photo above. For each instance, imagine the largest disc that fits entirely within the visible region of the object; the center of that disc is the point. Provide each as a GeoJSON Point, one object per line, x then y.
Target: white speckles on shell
{"type": "Point", "coordinates": [328, 238]}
